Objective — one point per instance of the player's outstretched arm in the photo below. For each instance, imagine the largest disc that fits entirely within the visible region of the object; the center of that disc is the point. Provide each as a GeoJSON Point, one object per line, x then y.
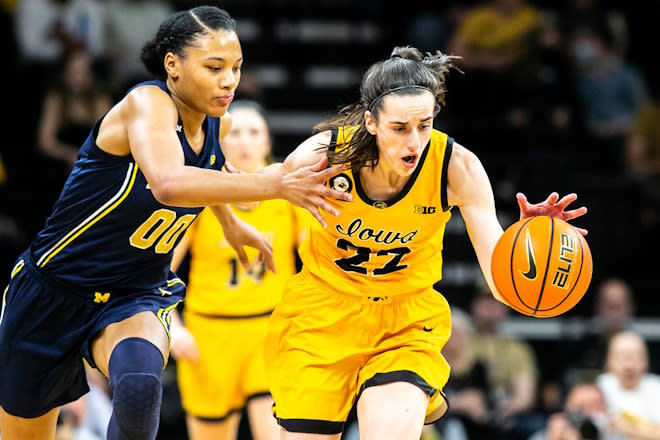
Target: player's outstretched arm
{"type": "Point", "coordinates": [149, 119]}
{"type": "Point", "coordinates": [311, 155]}
{"type": "Point", "coordinates": [469, 188]}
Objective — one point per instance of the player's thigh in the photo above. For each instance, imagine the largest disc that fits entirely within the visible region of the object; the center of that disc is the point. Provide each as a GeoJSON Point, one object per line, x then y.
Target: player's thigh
{"type": "Point", "coordinates": [312, 360]}
{"type": "Point", "coordinates": [286, 435]}
{"type": "Point", "coordinates": [263, 424]}
{"type": "Point", "coordinates": [143, 325]}
{"type": "Point", "coordinates": [394, 410]}
{"type": "Point", "coordinates": [37, 428]}
{"type": "Point", "coordinates": [225, 429]}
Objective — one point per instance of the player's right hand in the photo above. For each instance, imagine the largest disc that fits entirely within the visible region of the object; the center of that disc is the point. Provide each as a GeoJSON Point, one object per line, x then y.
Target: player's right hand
{"type": "Point", "coordinates": [553, 207]}
{"type": "Point", "coordinates": [306, 188]}
{"type": "Point", "coordinates": [183, 345]}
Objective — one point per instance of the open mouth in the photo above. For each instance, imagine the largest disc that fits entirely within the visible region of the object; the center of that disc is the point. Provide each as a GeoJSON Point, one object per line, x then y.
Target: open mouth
{"type": "Point", "coordinates": [409, 161]}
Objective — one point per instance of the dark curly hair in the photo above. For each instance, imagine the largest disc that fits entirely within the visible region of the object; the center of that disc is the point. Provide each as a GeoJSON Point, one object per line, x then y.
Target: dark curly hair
{"type": "Point", "coordinates": [178, 32]}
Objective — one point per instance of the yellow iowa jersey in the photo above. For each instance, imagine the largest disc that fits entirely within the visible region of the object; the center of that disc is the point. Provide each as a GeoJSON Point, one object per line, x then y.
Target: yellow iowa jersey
{"type": "Point", "coordinates": [384, 248]}
{"type": "Point", "coordinates": [217, 282]}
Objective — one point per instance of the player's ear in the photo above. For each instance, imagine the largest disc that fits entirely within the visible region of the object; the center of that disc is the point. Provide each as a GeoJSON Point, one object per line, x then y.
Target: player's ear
{"type": "Point", "coordinates": [370, 122]}
{"type": "Point", "coordinates": [171, 63]}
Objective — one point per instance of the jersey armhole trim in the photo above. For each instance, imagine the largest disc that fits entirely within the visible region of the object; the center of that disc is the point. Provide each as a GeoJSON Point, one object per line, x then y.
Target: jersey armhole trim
{"type": "Point", "coordinates": [334, 134]}
{"type": "Point", "coordinates": [443, 179]}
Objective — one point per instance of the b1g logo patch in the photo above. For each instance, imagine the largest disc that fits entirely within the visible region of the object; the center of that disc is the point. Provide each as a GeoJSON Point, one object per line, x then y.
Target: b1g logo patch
{"type": "Point", "coordinates": [341, 182]}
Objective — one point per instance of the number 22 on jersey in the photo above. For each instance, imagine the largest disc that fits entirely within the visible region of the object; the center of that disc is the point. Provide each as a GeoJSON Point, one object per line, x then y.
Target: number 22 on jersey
{"type": "Point", "coordinates": [363, 255]}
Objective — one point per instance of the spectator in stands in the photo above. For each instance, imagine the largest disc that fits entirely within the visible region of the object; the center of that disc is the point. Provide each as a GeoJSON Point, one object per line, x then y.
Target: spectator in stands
{"type": "Point", "coordinates": [584, 417]}
{"type": "Point", "coordinates": [130, 24]}
{"type": "Point", "coordinates": [614, 309]}
{"type": "Point", "coordinates": [611, 91]}
{"type": "Point", "coordinates": [511, 368]}
{"type": "Point", "coordinates": [70, 107]}
{"type": "Point", "coordinates": [467, 388]}
{"type": "Point", "coordinates": [643, 172]}
{"type": "Point", "coordinates": [643, 143]}
{"type": "Point", "coordinates": [544, 116]}
{"type": "Point", "coordinates": [496, 41]}
{"type": "Point", "coordinates": [631, 391]}
{"type": "Point", "coordinates": [577, 14]}
{"type": "Point", "coordinates": [11, 235]}
{"type": "Point", "coordinates": [45, 29]}
{"type": "Point", "coordinates": [431, 27]}
{"type": "Point", "coordinates": [496, 36]}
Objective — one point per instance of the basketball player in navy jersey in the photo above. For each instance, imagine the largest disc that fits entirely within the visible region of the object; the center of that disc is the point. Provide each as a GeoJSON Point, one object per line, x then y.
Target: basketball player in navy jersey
{"type": "Point", "coordinates": [95, 283]}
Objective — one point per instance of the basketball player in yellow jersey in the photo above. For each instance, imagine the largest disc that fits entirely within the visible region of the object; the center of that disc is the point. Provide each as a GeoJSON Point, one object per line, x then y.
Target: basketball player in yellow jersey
{"type": "Point", "coordinates": [227, 306]}
{"type": "Point", "coordinates": [361, 320]}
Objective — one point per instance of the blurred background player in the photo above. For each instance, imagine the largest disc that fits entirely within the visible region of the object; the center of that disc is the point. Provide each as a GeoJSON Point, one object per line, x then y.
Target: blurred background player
{"type": "Point", "coordinates": [218, 345]}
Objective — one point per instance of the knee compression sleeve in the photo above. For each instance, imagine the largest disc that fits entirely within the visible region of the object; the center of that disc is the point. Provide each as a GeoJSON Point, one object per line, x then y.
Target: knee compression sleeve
{"type": "Point", "coordinates": [135, 370]}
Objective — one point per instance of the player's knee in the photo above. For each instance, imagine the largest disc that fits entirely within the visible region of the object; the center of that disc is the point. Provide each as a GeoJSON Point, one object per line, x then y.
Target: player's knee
{"type": "Point", "coordinates": [136, 403]}
{"type": "Point", "coordinates": [135, 370]}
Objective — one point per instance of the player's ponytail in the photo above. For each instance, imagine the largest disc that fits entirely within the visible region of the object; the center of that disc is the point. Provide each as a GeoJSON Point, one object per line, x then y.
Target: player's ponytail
{"type": "Point", "coordinates": [152, 60]}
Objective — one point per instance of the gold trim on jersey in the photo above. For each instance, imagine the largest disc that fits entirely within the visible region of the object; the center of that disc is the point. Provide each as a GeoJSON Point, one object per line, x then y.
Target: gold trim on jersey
{"type": "Point", "coordinates": [174, 281]}
{"type": "Point", "coordinates": [17, 268]}
{"type": "Point", "coordinates": [104, 210]}
{"type": "Point", "coordinates": [164, 315]}
{"type": "Point", "coordinates": [4, 304]}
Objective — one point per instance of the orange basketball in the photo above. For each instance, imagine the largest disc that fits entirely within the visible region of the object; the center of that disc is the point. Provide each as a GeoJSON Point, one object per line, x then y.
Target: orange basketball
{"type": "Point", "coordinates": [542, 266]}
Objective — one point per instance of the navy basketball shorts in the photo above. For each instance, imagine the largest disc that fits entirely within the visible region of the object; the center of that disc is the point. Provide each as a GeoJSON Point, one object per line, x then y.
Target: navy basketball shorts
{"type": "Point", "coordinates": [46, 330]}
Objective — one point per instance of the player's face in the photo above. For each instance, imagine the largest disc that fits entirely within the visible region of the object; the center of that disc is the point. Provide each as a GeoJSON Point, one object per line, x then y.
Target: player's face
{"type": "Point", "coordinates": [211, 71]}
{"type": "Point", "coordinates": [247, 144]}
{"type": "Point", "coordinates": [403, 130]}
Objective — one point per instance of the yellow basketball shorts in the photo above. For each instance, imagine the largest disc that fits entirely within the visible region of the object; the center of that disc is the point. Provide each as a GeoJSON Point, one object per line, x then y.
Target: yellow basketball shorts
{"type": "Point", "coordinates": [230, 369]}
{"type": "Point", "coordinates": [324, 348]}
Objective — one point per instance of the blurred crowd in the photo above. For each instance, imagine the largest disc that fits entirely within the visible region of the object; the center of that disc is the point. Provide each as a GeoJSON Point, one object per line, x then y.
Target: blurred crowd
{"type": "Point", "coordinates": [559, 93]}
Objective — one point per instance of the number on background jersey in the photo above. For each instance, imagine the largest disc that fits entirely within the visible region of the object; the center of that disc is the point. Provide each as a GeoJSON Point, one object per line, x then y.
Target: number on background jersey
{"type": "Point", "coordinates": [363, 254]}
{"type": "Point", "coordinates": [255, 271]}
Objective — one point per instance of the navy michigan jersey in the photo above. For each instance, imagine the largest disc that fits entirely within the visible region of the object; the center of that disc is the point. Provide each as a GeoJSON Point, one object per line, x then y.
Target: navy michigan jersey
{"type": "Point", "coordinates": [107, 230]}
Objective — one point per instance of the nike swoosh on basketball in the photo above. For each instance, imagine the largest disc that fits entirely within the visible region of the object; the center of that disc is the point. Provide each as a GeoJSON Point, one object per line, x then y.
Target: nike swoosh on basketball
{"type": "Point", "coordinates": [531, 273]}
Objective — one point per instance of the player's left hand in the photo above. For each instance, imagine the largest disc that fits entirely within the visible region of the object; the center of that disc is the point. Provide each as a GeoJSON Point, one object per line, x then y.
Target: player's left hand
{"type": "Point", "coordinates": [241, 234]}
{"type": "Point", "coordinates": [182, 343]}
{"type": "Point", "coordinates": [553, 206]}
